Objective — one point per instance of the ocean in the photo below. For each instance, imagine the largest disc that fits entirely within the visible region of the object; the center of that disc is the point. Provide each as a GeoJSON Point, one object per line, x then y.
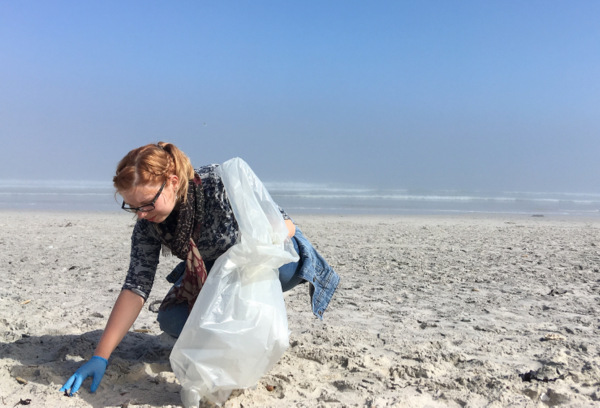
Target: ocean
{"type": "Point", "coordinates": [302, 198]}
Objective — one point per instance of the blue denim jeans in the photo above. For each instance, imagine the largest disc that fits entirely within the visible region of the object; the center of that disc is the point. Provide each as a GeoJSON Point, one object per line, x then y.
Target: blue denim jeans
{"type": "Point", "coordinates": [172, 320]}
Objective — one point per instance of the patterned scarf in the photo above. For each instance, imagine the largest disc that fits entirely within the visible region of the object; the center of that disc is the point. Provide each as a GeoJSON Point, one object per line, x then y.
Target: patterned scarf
{"type": "Point", "coordinates": [182, 244]}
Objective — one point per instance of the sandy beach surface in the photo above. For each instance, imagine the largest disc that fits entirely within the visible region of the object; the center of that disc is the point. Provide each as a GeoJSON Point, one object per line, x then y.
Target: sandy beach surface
{"type": "Point", "coordinates": [431, 311]}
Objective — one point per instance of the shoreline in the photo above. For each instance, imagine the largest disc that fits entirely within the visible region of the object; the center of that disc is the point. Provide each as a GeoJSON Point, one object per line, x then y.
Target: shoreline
{"type": "Point", "coordinates": [451, 214]}
{"type": "Point", "coordinates": [432, 310]}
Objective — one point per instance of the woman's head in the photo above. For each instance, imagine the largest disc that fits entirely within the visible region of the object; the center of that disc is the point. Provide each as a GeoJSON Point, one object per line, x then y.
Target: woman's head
{"type": "Point", "coordinates": [142, 172]}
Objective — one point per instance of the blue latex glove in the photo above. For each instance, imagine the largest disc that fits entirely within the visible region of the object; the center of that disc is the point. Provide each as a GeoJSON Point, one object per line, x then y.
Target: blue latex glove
{"type": "Point", "coordinates": [94, 368]}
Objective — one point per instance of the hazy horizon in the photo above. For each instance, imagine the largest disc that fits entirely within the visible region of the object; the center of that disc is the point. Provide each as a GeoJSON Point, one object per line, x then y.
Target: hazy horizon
{"type": "Point", "coordinates": [457, 95]}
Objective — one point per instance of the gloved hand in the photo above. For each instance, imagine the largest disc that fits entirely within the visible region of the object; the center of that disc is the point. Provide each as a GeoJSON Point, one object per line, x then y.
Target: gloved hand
{"type": "Point", "coordinates": [94, 368]}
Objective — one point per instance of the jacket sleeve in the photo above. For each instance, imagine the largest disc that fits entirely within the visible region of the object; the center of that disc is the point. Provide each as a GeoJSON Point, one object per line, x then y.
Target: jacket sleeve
{"type": "Point", "coordinates": [145, 253]}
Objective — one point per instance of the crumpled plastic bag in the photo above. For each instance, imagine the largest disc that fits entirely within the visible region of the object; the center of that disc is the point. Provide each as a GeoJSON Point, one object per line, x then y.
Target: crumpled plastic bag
{"type": "Point", "coordinates": [237, 329]}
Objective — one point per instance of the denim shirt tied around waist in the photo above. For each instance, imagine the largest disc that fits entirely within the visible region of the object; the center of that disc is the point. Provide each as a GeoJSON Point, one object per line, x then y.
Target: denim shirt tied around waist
{"type": "Point", "coordinates": [316, 271]}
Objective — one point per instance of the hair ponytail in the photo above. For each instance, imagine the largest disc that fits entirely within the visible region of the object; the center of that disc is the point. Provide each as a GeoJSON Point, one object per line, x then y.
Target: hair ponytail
{"type": "Point", "coordinates": [182, 167]}
{"type": "Point", "coordinates": [154, 163]}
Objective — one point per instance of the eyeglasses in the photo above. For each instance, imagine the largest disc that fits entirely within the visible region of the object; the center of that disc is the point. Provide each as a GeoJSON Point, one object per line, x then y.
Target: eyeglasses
{"type": "Point", "coordinates": [146, 207]}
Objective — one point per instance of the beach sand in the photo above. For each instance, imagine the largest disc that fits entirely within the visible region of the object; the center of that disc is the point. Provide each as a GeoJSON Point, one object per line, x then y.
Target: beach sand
{"type": "Point", "coordinates": [431, 311]}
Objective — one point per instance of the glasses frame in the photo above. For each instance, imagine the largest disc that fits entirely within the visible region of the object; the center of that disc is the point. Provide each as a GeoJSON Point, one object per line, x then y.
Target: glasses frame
{"type": "Point", "coordinates": [146, 207]}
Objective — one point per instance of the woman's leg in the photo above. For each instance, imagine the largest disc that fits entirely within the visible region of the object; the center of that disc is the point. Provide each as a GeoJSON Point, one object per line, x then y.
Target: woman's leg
{"type": "Point", "coordinates": [287, 273]}
{"type": "Point", "coordinates": [172, 319]}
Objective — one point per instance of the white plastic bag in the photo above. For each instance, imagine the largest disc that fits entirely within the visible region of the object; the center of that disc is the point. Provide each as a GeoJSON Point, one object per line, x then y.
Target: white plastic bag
{"type": "Point", "coordinates": [237, 329]}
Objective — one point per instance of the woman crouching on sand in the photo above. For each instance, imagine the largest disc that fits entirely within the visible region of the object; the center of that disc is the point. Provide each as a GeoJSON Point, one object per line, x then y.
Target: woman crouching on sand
{"type": "Point", "coordinates": [187, 211]}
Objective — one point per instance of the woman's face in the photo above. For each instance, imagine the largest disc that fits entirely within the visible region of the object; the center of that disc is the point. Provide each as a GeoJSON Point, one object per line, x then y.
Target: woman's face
{"type": "Point", "coordinates": [144, 194]}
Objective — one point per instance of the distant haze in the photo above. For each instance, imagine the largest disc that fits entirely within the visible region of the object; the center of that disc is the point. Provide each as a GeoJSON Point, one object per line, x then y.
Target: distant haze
{"type": "Point", "coordinates": [474, 95]}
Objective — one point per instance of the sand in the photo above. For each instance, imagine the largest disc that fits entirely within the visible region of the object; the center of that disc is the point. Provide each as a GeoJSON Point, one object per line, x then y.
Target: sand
{"type": "Point", "coordinates": [444, 311]}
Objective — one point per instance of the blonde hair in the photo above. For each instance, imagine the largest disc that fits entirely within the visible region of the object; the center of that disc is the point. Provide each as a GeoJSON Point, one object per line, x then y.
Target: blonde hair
{"type": "Point", "coordinates": [154, 163]}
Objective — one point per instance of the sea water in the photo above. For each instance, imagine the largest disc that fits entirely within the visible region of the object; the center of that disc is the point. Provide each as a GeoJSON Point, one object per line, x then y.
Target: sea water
{"type": "Point", "coordinates": [57, 195]}
{"type": "Point", "coordinates": [331, 200]}
{"type": "Point", "coordinates": [301, 198]}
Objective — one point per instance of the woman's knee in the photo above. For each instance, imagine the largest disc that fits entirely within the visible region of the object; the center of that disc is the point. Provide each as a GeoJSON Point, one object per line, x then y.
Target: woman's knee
{"type": "Point", "coordinates": [172, 319]}
{"type": "Point", "coordinates": [288, 273]}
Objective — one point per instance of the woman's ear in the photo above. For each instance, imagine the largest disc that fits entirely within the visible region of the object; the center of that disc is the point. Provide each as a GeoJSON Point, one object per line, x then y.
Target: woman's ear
{"type": "Point", "coordinates": [174, 180]}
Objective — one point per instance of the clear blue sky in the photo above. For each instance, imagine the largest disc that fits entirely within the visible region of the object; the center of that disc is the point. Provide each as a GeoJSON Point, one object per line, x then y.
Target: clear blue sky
{"type": "Point", "coordinates": [497, 95]}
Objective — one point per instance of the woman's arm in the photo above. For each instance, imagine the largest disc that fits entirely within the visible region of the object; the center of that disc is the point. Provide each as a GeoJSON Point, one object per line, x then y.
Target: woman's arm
{"type": "Point", "coordinates": [291, 228]}
{"type": "Point", "coordinates": [127, 308]}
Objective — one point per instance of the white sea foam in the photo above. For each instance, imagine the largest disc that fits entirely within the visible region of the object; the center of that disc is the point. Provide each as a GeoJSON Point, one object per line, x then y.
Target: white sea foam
{"type": "Point", "coordinates": [321, 198]}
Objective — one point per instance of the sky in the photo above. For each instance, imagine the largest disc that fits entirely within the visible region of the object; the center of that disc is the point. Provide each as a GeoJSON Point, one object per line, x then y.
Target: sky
{"type": "Point", "coordinates": [472, 95]}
